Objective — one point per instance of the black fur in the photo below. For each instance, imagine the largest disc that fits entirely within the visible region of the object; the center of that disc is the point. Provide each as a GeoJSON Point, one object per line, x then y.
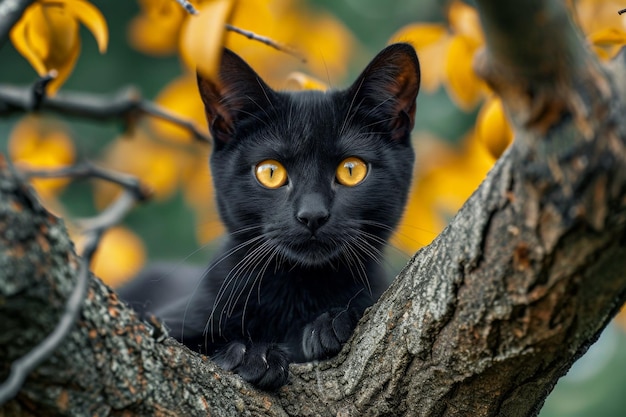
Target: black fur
{"type": "Point", "coordinates": [301, 262]}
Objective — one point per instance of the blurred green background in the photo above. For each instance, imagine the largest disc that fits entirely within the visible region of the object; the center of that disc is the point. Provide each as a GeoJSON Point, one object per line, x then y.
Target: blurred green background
{"type": "Point", "coordinates": [594, 387]}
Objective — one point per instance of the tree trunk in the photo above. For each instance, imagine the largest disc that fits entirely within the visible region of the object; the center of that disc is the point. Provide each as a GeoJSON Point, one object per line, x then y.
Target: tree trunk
{"type": "Point", "coordinates": [482, 322]}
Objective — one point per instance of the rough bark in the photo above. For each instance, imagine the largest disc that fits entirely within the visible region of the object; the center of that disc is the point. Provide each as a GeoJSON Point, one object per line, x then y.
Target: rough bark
{"type": "Point", "coordinates": [482, 322]}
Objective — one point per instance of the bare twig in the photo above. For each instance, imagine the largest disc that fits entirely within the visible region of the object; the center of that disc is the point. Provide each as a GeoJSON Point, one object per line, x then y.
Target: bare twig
{"type": "Point", "coordinates": [621, 11]}
{"type": "Point", "coordinates": [187, 6]}
{"type": "Point", "coordinates": [134, 191]}
{"type": "Point", "coordinates": [112, 215]}
{"type": "Point", "coordinates": [39, 89]}
{"type": "Point", "coordinates": [86, 169]}
{"type": "Point", "coordinates": [126, 104]}
{"type": "Point", "coordinates": [266, 41]}
{"type": "Point", "coordinates": [10, 12]}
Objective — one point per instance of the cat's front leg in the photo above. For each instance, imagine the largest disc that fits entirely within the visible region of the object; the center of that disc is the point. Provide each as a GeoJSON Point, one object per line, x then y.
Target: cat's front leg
{"type": "Point", "coordinates": [264, 365]}
{"type": "Point", "coordinates": [324, 337]}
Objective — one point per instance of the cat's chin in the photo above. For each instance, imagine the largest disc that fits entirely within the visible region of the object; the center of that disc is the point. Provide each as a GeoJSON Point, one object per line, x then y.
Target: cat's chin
{"type": "Point", "coordinates": [312, 254]}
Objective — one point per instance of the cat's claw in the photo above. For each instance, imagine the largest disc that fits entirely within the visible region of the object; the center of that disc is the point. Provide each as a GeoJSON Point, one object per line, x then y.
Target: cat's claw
{"type": "Point", "coordinates": [264, 365]}
{"type": "Point", "coordinates": [324, 337]}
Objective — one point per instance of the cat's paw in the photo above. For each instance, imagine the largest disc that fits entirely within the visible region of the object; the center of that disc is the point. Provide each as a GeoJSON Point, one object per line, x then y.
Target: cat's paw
{"type": "Point", "coordinates": [264, 365]}
{"type": "Point", "coordinates": [324, 337]}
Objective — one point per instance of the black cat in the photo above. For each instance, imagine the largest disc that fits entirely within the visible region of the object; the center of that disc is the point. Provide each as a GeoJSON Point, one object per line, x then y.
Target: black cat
{"type": "Point", "coordinates": [310, 186]}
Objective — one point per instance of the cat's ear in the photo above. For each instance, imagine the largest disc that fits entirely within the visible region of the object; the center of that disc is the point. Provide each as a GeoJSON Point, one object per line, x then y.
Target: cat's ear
{"type": "Point", "coordinates": [239, 92]}
{"type": "Point", "coordinates": [388, 87]}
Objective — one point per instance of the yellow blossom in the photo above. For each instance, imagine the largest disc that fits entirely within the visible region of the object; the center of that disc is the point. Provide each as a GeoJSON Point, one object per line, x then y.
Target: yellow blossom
{"type": "Point", "coordinates": [202, 36]}
{"type": "Point", "coordinates": [156, 29]}
{"type": "Point", "coordinates": [199, 194]}
{"type": "Point", "coordinates": [447, 53]}
{"type": "Point", "coordinates": [603, 26]}
{"type": "Point", "coordinates": [444, 179]}
{"type": "Point", "coordinates": [492, 127]}
{"type": "Point", "coordinates": [154, 164]}
{"type": "Point", "coordinates": [48, 36]}
{"type": "Point", "coordinates": [181, 98]}
{"type": "Point", "coordinates": [119, 257]}
{"type": "Point", "coordinates": [37, 143]}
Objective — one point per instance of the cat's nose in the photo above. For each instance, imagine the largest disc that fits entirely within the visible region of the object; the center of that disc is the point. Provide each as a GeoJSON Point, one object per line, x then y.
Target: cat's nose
{"type": "Point", "coordinates": [313, 220]}
{"type": "Point", "coordinates": [312, 212]}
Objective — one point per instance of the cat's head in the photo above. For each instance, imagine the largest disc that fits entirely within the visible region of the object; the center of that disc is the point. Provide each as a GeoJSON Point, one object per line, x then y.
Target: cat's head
{"type": "Point", "coordinates": [321, 176]}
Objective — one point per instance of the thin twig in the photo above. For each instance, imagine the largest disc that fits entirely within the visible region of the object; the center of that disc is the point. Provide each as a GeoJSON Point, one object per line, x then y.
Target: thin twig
{"type": "Point", "coordinates": [154, 110]}
{"type": "Point", "coordinates": [126, 104]}
{"type": "Point", "coordinates": [621, 11]}
{"type": "Point", "coordinates": [266, 41]}
{"type": "Point", "coordinates": [10, 12]}
{"type": "Point", "coordinates": [133, 191]}
{"type": "Point", "coordinates": [187, 6]}
{"type": "Point", "coordinates": [112, 215]}
{"type": "Point", "coordinates": [87, 169]}
{"type": "Point", "coordinates": [39, 89]}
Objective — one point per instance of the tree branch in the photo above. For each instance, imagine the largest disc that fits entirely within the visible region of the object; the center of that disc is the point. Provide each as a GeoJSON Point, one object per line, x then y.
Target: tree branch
{"type": "Point", "coordinates": [266, 41]}
{"type": "Point", "coordinates": [126, 104]}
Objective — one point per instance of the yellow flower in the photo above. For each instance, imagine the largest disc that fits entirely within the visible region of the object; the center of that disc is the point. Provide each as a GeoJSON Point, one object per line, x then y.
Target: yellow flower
{"type": "Point", "coordinates": [154, 164]}
{"type": "Point", "coordinates": [199, 194]}
{"type": "Point", "coordinates": [156, 29]}
{"type": "Point", "coordinates": [445, 178]}
{"type": "Point", "coordinates": [181, 98]}
{"type": "Point", "coordinates": [325, 41]}
{"type": "Point", "coordinates": [492, 127]}
{"type": "Point", "coordinates": [602, 24]}
{"type": "Point", "coordinates": [202, 36]}
{"type": "Point", "coordinates": [119, 257]}
{"type": "Point", "coordinates": [37, 143]}
{"type": "Point", "coordinates": [48, 37]}
{"type": "Point", "coordinates": [447, 54]}
{"type": "Point", "coordinates": [163, 26]}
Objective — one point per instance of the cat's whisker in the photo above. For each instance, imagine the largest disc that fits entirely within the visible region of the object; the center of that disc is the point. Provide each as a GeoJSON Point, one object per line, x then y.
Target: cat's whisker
{"type": "Point", "coordinates": [375, 108]}
{"type": "Point", "coordinates": [257, 282]}
{"type": "Point", "coordinates": [405, 236]}
{"type": "Point", "coordinates": [231, 252]}
{"type": "Point", "coordinates": [247, 113]}
{"type": "Point", "coordinates": [232, 281]}
{"type": "Point", "coordinates": [379, 122]}
{"type": "Point", "coordinates": [245, 230]}
{"type": "Point", "coordinates": [206, 273]}
{"type": "Point", "coordinates": [349, 112]}
{"type": "Point", "coordinates": [359, 265]}
{"type": "Point", "coordinates": [386, 243]}
{"type": "Point", "coordinates": [367, 248]}
{"type": "Point", "coordinates": [246, 270]}
{"type": "Point", "coordinates": [224, 285]}
{"type": "Point", "coordinates": [271, 103]}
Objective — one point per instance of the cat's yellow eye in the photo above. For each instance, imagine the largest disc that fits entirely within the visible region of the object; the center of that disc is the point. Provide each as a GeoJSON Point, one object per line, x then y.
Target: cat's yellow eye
{"type": "Point", "coordinates": [351, 171]}
{"type": "Point", "coordinates": [270, 173]}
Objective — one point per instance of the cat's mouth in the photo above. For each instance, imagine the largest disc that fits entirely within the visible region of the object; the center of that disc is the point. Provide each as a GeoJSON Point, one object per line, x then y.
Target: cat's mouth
{"type": "Point", "coordinates": [312, 252]}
